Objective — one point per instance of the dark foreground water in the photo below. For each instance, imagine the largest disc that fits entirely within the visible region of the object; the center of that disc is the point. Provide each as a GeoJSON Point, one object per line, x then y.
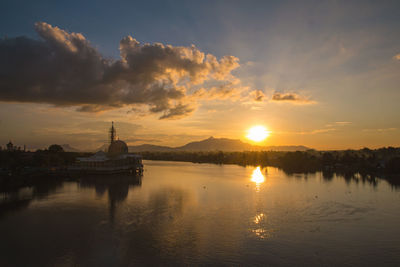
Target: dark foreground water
{"type": "Point", "coordinates": [203, 214]}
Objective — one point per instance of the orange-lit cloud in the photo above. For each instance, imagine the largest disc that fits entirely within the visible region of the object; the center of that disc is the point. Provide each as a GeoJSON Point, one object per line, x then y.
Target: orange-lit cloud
{"type": "Point", "coordinates": [380, 130]}
{"type": "Point", "coordinates": [342, 123]}
{"type": "Point", "coordinates": [257, 95]}
{"type": "Point", "coordinates": [229, 90]}
{"type": "Point", "coordinates": [311, 132]}
{"type": "Point", "coordinates": [293, 98]}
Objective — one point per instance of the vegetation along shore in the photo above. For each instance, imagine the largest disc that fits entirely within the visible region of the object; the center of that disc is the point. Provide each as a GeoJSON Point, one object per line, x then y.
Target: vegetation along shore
{"type": "Point", "coordinates": [19, 168]}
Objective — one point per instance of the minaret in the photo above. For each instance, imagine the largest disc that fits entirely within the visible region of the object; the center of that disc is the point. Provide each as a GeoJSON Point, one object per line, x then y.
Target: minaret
{"type": "Point", "coordinates": [113, 133]}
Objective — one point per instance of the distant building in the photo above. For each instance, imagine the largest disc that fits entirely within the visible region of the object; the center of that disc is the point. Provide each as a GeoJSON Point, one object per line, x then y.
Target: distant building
{"type": "Point", "coordinates": [10, 146]}
{"type": "Point", "coordinates": [116, 160]}
{"type": "Point", "coordinates": [116, 147]}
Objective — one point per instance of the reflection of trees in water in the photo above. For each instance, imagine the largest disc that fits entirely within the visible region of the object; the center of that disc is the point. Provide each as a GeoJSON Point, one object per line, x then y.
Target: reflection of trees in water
{"type": "Point", "coordinates": [43, 190]}
{"type": "Point", "coordinates": [13, 205]}
{"type": "Point", "coordinates": [117, 187]}
{"type": "Point", "coordinates": [17, 199]}
{"type": "Point", "coordinates": [383, 163]}
{"type": "Point", "coordinates": [349, 177]}
{"type": "Point", "coordinates": [70, 236]}
{"type": "Point", "coordinates": [355, 177]}
{"type": "Point", "coordinates": [365, 165]}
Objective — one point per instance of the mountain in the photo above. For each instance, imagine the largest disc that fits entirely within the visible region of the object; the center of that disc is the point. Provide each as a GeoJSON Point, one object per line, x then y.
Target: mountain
{"type": "Point", "coordinates": [150, 148]}
{"type": "Point", "coordinates": [102, 148]}
{"type": "Point", "coordinates": [140, 148]}
{"type": "Point", "coordinates": [68, 148]}
{"type": "Point", "coordinates": [215, 144]}
{"type": "Point", "coordinates": [219, 144]}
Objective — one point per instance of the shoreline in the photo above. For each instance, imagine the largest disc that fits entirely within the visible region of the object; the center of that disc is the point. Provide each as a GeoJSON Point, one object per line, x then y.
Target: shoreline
{"type": "Point", "coordinates": [19, 169]}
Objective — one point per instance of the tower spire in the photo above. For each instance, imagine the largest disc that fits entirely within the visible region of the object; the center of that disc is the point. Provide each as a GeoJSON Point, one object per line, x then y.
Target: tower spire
{"type": "Point", "coordinates": [113, 133]}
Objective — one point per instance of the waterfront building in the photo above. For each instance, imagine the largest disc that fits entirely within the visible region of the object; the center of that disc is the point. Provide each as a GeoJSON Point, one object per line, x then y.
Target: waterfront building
{"type": "Point", "coordinates": [10, 146]}
{"type": "Point", "coordinates": [116, 160]}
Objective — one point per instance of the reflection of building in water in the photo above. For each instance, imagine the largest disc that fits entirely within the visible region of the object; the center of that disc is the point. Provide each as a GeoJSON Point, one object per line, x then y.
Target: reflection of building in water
{"type": "Point", "coordinates": [116, 160]}
{"type": "Point", "coordinates": [117, 188]}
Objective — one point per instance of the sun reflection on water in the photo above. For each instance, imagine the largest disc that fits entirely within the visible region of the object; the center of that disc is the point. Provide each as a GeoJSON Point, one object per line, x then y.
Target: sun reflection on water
{"type": "Point", "coordinates": [260, 228]}
{"type": "Point", "coordinates": [259, 218]}
{"type": "Point", "coordinates": [257, 177]}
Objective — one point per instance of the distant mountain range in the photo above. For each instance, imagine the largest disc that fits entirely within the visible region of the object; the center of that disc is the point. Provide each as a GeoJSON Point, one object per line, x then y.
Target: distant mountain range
{"type": "Point", "coordinates": [68, 148]}
{"type": "Point", "coordinates": [215, 144]}
{"type": "Point", "coordinates": [210, 144]}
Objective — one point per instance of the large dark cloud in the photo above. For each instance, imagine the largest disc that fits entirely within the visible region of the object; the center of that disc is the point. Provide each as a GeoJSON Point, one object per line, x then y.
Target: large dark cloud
{"type": "Point", "coordinates": [64, 69]}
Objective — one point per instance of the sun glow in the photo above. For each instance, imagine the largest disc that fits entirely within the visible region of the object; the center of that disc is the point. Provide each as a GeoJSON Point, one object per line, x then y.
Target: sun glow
{"type": "Point", "coordinates": [257, 133]}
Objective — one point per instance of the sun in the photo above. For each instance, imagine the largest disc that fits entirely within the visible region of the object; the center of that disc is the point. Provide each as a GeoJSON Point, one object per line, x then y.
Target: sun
{"type": "Point", "coordinates": [257, 133]}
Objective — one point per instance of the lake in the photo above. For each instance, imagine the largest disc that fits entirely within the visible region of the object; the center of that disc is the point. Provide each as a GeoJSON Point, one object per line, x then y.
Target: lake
{"type": "Point", "coordinates": [182, 213]}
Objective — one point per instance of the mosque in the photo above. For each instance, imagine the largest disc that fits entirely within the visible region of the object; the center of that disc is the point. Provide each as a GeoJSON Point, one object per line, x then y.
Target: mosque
{"type": "Point", "coordinates": [115, 160]}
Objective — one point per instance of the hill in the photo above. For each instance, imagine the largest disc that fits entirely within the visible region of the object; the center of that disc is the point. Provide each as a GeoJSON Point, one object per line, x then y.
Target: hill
{"type": "Point", "coordinates": [68, 148]}
{"type": "Point", "coordinates": [215, 144]}
{"type": "Point", "coordinates": [150, 148]}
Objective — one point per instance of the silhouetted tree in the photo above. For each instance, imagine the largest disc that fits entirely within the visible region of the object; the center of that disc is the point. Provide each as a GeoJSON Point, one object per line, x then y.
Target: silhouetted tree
{"type": "Point", "coordinates": [56, 148]}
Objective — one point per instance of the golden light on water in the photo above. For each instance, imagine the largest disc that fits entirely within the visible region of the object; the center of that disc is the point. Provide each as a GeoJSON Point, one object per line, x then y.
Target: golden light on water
{"type": "Point", "coordinates": [257, 133]}
{"type": "Point", "coordinates": [257, 176]}
{"type": "Point", "coordinates": [259, 218]}
{"type": "Point", "coordinates": [260, 226]}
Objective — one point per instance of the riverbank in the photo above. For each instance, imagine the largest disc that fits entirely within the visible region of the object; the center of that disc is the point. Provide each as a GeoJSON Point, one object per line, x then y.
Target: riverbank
{"type": "Point", "coordinates": [366, 163]}
{"type": "Point", "coordinates": [19, 169]}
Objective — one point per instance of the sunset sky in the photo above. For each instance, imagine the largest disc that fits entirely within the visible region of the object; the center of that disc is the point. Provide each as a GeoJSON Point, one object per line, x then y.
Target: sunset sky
{"type": "Point", "coordinates": [324, 74]}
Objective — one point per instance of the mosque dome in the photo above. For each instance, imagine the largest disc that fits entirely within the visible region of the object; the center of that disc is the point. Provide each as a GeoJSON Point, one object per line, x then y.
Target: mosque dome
{"type": "Point", "coordinates": [117, 147]}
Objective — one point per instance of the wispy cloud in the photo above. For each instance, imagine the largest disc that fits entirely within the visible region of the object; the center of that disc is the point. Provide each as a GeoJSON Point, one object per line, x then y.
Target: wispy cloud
{"type": "Point", "coordinates": [338, 124]}
{"type": "Point", "coordinates": [317, 131]}
{"type": "Point", "coordinates": [257, 95]}
{"type": "Point", "coordinates": [310, 132]}
{"type": "Point", "coordinates": [342, 123]}
{"type": "Point", "coordinates": [380, 130]}
{"type": "Point", "coordinates": [229, 90]}
{"type": "Point", "coordinates": [134, 140]}
{"type": "Point", "coordinates": [292, 98]}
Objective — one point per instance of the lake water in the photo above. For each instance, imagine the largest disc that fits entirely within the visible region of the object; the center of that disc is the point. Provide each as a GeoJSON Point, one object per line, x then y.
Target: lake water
{"type": "Point", "coordinates": [203, 214]}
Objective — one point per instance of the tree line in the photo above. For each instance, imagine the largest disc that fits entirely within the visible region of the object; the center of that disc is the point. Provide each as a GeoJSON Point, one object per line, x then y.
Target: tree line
{"type": "Point", "coordinates": [383, 161]}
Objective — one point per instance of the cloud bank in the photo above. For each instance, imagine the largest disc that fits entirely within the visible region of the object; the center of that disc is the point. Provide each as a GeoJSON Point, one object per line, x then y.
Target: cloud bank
{"type": "Point", "coordinates": [64, 69]}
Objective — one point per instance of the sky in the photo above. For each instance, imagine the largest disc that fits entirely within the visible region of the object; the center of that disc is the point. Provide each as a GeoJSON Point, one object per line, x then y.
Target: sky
{"type": "Point", "coordinates": [324, 74]}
